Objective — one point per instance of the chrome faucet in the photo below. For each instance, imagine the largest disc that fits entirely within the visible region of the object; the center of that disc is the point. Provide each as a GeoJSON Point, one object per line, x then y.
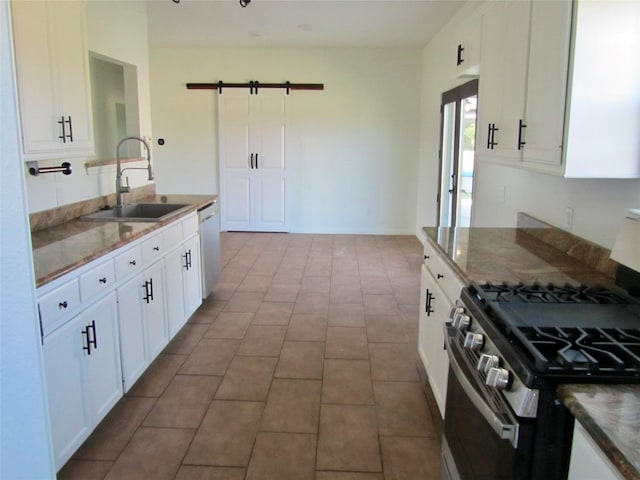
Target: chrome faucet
{"type": "Point", "coordinates": [120, 189]}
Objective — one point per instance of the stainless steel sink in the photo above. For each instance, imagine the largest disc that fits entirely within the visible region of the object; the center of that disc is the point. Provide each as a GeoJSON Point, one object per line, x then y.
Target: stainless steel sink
{"type": "Point", "coordinates": [136, 212]}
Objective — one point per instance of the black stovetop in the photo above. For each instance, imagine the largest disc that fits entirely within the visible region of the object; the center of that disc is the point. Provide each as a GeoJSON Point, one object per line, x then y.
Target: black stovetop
{"type": "Point", "coordinates": [570, 333]}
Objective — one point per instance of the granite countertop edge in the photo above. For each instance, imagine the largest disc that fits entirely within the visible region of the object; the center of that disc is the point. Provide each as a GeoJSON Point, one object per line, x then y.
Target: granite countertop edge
{"type": "Point", "coordinates": [591, 410]}
{"type": "Point", "coordinates": [64, 233]}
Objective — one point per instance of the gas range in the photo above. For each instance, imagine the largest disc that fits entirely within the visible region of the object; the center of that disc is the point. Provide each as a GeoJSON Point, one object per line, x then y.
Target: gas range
{"type": "Point", "coordinates": [522, 338]}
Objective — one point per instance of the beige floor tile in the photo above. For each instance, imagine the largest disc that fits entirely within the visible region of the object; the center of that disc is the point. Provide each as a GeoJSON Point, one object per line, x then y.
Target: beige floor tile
{"type": "Point", "coordinates": [273, 313]}
{"type": "Point", "coordinates": [156, 378]}
{"type": "Point", "coordinates": [393, 362]}
{"type": "Point", "coordinates": [229, 325]}
{"type": "Point", "coordinates": [385, 329]}
{"type": "Point", "coordinates": [346, 342]}
{"type": "Point", "coordinates": [301, 360]}
{"type": "Point", "coordinates": [184, 402]}
{"type": "Point", "coordinates": [223, 291]}
{"type": "Point", "coordinates": [211, 356]}
{"type": "Point", "coordinates": [152, 453]}
{"type": "Point", "coordinates": [114, 432]}
{"type": "Point", "coordinates": [346, 315]}
{"type": "Point", "coordinates": [292, 406]}
{"type": "Point", "coordinates": [244, 302]}
{"type": "Point", "coordinates": [205, 317]}
{"type": "Point", "coordinates": [348, 476]}
{"type": "Point", "coordinates": [186, 339]}
{"type": "Point", "coordinates": [289, 274]}
{"type": "Point", "coordinates": [411, 458]}
{"type": "Point", "coordinates": [345, 289]}
{"type": "Point", "coordinates": [283, 456]}
{"type": "Point", "coordinates": [226, 434]}
{"type": "Point", "coordinates": [263, 340]}
{"type": "Point", "coordinates": [315, 284]}
{"type": "Point", "coordinates": [402, 409]}
{"type": "Point", "coordinates": [248, 378]}
{"type": "Point", "coordinates": [382, 304]}
{"type": "Point", "coordinates": [255, 283]}
{"type": "Point", "coordinates": [375, 284]}
{"type": "Point", "coordinates": [347, 382]}
{"type": "Point", "coordinates": [348, 439]}
{"type": "Point", "coordinates": [84, 470]}
{"type": "Point", "coordinates": [266, 266]}
{"type": "Point", "coordinates": [307, 328]}
{"type": "Point", "coordinates": [282, 292]}
{"type": "Point", "coordinates": [191, 472]}
{"type": "Point", "coordinates": [312, 303]}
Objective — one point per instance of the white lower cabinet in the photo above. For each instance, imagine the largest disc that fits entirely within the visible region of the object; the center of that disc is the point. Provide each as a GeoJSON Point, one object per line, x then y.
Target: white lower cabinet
{"type": "Point", "coordinates": [183, 283]}
{"type": "Point", "coordinates": [82, 374]}
{"type": "Point", "coordinates": [588, 461]}
{"type": "Point", "coordinates": [439, 289]}
{"type": "Point", "coordinates": [104, 323]}
{"type": "Point", "coordinates": [142, 320]}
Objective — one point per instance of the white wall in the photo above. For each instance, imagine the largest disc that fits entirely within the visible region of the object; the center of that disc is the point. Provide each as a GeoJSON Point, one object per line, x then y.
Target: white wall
{"type": "Point", "coordinates": [118, 30]}
{"type": "Point", "coordinates": [599, 205]}
{"type": "Point", "coordinates": [25, 442]}
{"type": "Point", "coordinates": [353, 147]}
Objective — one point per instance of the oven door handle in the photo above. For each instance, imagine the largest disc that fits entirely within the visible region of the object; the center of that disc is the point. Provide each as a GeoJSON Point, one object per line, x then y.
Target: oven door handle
{"type": "Point", "coordinates": [506, 431]}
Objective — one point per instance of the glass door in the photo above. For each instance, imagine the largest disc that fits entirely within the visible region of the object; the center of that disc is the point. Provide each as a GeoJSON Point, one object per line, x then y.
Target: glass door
{"type": "Point", "coordinates": [457, 155]}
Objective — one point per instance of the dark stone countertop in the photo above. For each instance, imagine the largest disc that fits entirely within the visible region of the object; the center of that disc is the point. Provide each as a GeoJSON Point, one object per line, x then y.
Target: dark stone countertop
{"type": "Point", "coordinates": [609, 413]}
{"type": "Point", "coordinates": [59, 250]}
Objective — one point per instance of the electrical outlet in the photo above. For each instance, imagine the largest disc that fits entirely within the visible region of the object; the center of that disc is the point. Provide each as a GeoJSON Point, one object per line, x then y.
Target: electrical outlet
{"type": "Point", "coordinates": [568, 218]}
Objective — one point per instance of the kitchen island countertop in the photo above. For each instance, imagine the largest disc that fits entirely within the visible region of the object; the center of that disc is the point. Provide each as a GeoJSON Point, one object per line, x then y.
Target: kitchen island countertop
{"type": "Point", "coordinates": [59, 250]}
{"type": "Point", "coordinates": [609, 413]}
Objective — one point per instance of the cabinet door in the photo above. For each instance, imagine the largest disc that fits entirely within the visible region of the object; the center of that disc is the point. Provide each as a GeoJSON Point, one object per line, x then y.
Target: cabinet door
{"type": "Point", "coordinates": [192, 278]}
{"type": "Point", "coordinates": [72, 66]}
{"type": "Point", "coordinates": [35, 73]}
{"type": "Point", "coordinates": [175, 263]}
{"type": "Point", "coordinates": [465, 50]}
{"type": "Point", "coordinates": [547, 81]}
{"type": "Point", "coordinates": [434, 312]}
{"type": "Point", "coordinates": [53, 78]}
{"type": "Point", "coordinates": [131, 326]}
{"type": "Point", "coordinates": [155, 324]}
{"type": "Point", "coordinates": [104, 374]}
{"type": "Point", "coordinates": [65, 378]}
{"type": "Point", "coordinates": [501, 96]}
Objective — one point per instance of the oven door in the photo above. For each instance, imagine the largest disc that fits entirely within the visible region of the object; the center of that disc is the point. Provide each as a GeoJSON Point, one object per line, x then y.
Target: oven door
{"type": "Point", "coordinates": [483, 439]}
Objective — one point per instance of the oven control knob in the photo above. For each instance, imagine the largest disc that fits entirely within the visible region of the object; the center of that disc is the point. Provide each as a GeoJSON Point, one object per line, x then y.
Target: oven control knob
{"type": "Point", "coordinates": [461, 321]}
{"type": "Point", "coordinates": [453, 311]}
{"type": "Point", "coordinates": [487, 362]}
{"type": "Point", "coordinates": [498, 378]}
{"type": "Point", "coordinates": [474, 341]}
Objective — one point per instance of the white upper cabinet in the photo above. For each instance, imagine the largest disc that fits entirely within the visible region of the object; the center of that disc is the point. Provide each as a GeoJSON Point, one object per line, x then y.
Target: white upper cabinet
{"type": "Point", "coordinates": [559, 90]}
{"type": "Point", "coordinates": [464, 53]}
{"type": "Point", "coordinates": [53, 79]}
{"type": "Point", "coordinates": [603, 111]}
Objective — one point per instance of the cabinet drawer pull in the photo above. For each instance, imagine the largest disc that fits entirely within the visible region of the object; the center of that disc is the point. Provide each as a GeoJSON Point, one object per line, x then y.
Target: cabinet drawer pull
{"type": "Point", "coordinates": [62, 137]}
{"type": "Point", "coordinates": [439, 275]}
{"type": "Point", "coordinates": [132, 262]}
{"type": "Point", "coordinates": [460, 60]}
{"type": "Point", "coordinates": [156, 249]}
{"type": "Point", "coordinates": [70, 134]}
{"type": "Point", "coordinates": [90, 335]}
{"type": "Point", "coordinates": [521, 143]}
{"type": "Point", "coordinates": [103, 280]}
{"type": "Point", "coordinates": [427, 257]}
{"type": "Point", "coordinates": [62, 305]}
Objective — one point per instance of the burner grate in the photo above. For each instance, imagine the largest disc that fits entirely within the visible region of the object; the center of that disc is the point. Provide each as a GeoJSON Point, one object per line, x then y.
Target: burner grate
{"type": "Point", "coordinates": [551, 293]}
{"type": "Point", "coordinates": [580, 350]}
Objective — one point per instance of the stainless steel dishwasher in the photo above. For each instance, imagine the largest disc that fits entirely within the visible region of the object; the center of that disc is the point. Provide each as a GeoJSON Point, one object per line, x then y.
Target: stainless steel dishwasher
{"type": "Point", "coordinates": [209, 217]}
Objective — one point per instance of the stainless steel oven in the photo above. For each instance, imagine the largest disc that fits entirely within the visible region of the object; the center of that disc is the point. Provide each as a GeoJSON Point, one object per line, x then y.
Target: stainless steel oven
{"type": "Point", "coordinates": [509, 348]}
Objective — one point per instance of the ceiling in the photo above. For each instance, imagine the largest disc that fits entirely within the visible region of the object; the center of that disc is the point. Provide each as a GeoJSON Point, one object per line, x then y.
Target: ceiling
{"type": "Point", "coordinates": [297, 23]}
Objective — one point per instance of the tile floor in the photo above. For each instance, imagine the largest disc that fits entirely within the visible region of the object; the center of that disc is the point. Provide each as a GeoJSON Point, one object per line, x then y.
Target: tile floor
{"type": "Point", "coordinates": [301, 365]}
